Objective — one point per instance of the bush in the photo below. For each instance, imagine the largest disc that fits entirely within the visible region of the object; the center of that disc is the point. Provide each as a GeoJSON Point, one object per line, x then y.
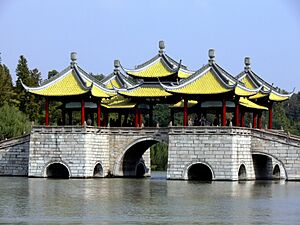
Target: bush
{"type": "Point", "coordinates": [12, 122]}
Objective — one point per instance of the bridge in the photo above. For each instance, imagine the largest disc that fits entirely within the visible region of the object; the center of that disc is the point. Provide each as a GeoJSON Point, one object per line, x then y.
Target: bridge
{"type": "Point", "coordinates": [202, 153]}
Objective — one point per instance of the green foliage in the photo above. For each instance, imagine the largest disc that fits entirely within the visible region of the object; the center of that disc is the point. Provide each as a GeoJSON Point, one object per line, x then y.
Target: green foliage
{"type": "Point", "coordinates": [52, 73]}
{"type": "Point", "coordinates": [12, 122]}
{"type": "Point", "coordinates": [280, 119]}
{"type": "Point", "coordinates": [159, 156]}
{"type": "Point", "coordinates": [6, 88]}
{"type": "Point", "coordinates": [161, 114]}
{"type": "Point", "coordinates": [97, 76]}
{"type": "Point", "coordinates": [29, 103]}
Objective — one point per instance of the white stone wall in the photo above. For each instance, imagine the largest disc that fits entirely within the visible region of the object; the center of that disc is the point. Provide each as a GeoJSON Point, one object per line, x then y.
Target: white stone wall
{"type": "Point", "coordinates": [284, 150]}
{"type": "Point", "coordinates": [78, 149]}
{"type": "Point", "coordinates": [14, 156]}
{"type": "Point", "coordinates": [223, 151]}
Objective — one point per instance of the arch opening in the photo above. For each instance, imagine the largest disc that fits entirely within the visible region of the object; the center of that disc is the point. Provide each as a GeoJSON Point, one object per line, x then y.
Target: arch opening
{"type": "Point", "coordinates": [263, 167]}
{"type": "Point", "coordinates": [136, 160]}
{"type": "Point", "coordinates": [200, 172]}
{"type": "Point", "coordinates": [57, 170]}
{"type": "Point", "coordinates": [98, 170]}
{"type": "Point", "coordinates": [242, 172]}
{"type": "Point", "coordinates": [140, 170]}
{"type": "Point", "coordinates": [276, 172]}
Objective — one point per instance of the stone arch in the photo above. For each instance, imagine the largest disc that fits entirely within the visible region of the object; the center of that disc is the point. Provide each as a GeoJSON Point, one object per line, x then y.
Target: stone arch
{"type": "Point", "coordinates": [98, 170]}
{"type": "Point", "coordinates": [242, 174]}
{"type": "Point", "coordinates": [130, 158]}
{"type": "Point", "coordinates": [199, 171]}
{"type": "Point", "coordinates": [264, 165]}
{"type": "Point", "coordinates": [57, 169]}
{"type": "Point", "coordinates": [276, 172]}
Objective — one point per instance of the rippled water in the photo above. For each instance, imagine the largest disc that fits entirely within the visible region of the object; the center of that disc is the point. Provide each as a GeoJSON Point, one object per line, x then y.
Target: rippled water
{"type": "Point", "coordinates": [149, 201]}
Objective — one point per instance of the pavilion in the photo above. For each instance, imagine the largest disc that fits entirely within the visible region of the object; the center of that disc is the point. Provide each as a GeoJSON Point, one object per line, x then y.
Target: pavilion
{"type": "Point", "coordinates": [160, 80]}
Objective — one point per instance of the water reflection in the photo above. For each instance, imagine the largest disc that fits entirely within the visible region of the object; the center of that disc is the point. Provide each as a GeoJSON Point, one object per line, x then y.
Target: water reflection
{"type": "Point", "coordinates": [156, 200]}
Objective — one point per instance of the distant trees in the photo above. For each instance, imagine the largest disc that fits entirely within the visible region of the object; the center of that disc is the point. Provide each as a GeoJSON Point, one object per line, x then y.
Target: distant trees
{"type": "Point", "coordinates": [12, 122]}
{"type": "Point", "coordinates": [29, 103]}
{"type": "Point", "coordinates": [6, 87]}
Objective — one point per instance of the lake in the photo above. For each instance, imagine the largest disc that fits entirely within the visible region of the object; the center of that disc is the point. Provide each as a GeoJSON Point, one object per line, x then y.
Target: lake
{"type": "Point", "coordinates": [149, 201]}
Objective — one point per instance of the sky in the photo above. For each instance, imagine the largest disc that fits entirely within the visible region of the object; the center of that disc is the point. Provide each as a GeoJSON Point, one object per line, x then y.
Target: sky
{"type": "Point", "coordinates": [47, 31]}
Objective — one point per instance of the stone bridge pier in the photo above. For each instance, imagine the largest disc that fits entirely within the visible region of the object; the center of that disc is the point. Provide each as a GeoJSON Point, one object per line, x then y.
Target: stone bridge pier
{"type": "Point", "coordinates": [92, 152]}
{"type": "Point", "coordinates": [232, 153]}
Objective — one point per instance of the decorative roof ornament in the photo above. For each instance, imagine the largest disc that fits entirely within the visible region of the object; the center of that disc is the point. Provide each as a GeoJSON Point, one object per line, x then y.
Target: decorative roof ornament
{"type": "Point", "coordinates": [247, 62]}
{"type": "Point", "coordinates": [211, 55]}
{"type": "Point", "coordinates": [73, 58]}
{"type": "Point", "coordinates": [161, 47]}
{"type": "Point", "coordinates": [116, 65]}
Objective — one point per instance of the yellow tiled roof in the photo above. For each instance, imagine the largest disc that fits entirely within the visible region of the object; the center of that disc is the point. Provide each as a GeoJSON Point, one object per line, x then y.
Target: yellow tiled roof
{"type": "Point", "coordinates": [208, 83]}
{"type": "Point", "coordinates": [248, 83]}
{"type": "Point", "coordinates": [146, 92]}
{"type": "Point", "coordinates": [242, 92]}
{"type": "Point", "coordinates": [98, 92]}
{"type": "Point", "coordinates": [258, 95]}
{"type": "Point", "coordinates": [183, 74]}
{"type": "Point", "coordinates": [247, 103]}
{"type": "Point", "coordinates": [156, 69]}
{"type": "Point", "coordinates": [278, 98]}
{"type": "Point", "coordinates": [113, 83]}
{"type": "Point", "coordinates": [120, 104]}
{"type": "Point", "coordinates": [67, 86]}
{"type": "Point", "coordinates": [180, 104]}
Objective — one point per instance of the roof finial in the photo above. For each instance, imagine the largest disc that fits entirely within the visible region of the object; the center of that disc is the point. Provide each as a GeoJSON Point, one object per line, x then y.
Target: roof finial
{"type": "Point", "coordinates": [116, 65]}
{"type": "Point", "coordinates": [161, 46]}
{"type": "Point", "coordinates": [247, 62]}
{"type": "Point", "coordinates": [73, 58]}
{"type": "Point", "coordinates": [211, 55]}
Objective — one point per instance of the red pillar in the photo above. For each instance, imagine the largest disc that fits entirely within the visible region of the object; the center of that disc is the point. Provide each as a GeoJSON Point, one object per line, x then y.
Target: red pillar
{"type": "Point", "coordinates": [237, 114]}
{"type": "Point", "coordinates": [224, 112]}
{"type": "Point", "coordinates": [259, 120]}
{"type": "Point", "coordinates": [47, 112]}
{"type": "Point", "coordinates": [98, 113]}
{"type": "Point", "coordinates": [82, 112]}
{"type": "Point", "coordinates": [254, 119]}
{"type": "Point", "coordinates": [243, 119]}
{"type": "Point", "coordinates": [136, 117]}
{"type": "Point", "coordinates": [185, 112]}
{"type": "Point", "coordinates": [270, 117]}
{"type": "Point", "coordinates": [141, 118]}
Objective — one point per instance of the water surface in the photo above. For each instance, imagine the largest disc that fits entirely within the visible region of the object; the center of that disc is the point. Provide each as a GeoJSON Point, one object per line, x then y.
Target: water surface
{"type": "Point", "coordinates": [149, 201]}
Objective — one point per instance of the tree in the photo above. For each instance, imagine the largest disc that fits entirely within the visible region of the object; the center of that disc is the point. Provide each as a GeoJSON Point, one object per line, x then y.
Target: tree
{"type": "Point", "coordinates": [280, 119]}
{"type": "Point", "coordinates": [52, 73]}
{"type": "Point", "coordinates": [29, 103]}
{"type": "Point", "coordinates": [22, 73]}
{"type": "Point", "coordinates": [6, 87]}
{"type": "Point", "coordinates": [12, 126]}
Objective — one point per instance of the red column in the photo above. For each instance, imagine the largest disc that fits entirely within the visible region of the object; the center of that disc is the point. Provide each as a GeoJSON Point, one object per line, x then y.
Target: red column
{"type": "Point", "coordinates": [141, 118]}
{"type": "Point", "coordinates": [185, 112]}
{"type": "Point", "coordinates": [47, 112]}
{"type": "Point", "coordinates": [82, 112]}
{"type": "Point", "coordinates": [243, 119]}
{"type": "Point", "coordinates": [98, 113]}
{"type": "Point", "coordinates": [270, 117]}
{"type": "Point", "coordinates": [259, 120]}
{"type": "Point", "coordinates": [254, 119]}
{"type": "Point", "coordinates": [224, 112]}
{"type": "Point", "coordinates": [136, 117]}
{"type": "Point", "coordinates": [237, 114]}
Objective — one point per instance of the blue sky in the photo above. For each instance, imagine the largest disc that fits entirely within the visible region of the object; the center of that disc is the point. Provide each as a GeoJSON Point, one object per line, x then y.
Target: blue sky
{"type": "Point", "coordinates": [100, 31]}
